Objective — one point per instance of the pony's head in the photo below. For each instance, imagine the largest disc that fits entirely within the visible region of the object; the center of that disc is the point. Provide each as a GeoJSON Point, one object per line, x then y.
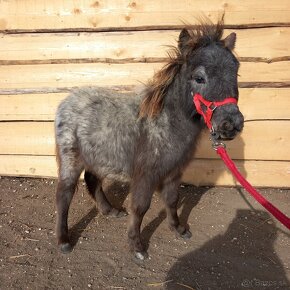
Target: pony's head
{"type": "Point", "coordinates": [203, 64]}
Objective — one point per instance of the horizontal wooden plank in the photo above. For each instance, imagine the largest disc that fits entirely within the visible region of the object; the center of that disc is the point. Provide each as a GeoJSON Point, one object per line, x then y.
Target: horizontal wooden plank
{"type": "Point", "coordinates": [199, 172]}
{"type": "Point", "coordinates": [261, 140]}
{"type": "Point", "coordinates": [265, 103]}
{"type": "Point", "coordinates": [31, 138]}
{"type": "Point", "coordinates": [104, 15]}
{"type": "Point", "coordinates": [70, 75]}
{"type": "Point", "coordinates": [264, 44]}
{"type": "Point", "coordinates": [21, 165]}
{"type": "Point", "coordinates": [258, 173]}
{"type": "Point", "coordinates": [255, 103]}
{"type": "Point", "coordinates": [30, 106]}
{"type": "Point", "coordinates": [267, 43]}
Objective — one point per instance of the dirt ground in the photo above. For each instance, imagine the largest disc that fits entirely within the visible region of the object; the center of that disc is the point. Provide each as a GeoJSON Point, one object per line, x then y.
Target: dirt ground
{"type": "Point", "coordinates": [235, 243]}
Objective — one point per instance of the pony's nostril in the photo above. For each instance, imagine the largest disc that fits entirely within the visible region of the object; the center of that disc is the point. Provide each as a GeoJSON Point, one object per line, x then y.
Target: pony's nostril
{"type": "Point", "coordinates": [227, 126]}
{"type": "Point", "coordinates": [227, 130]}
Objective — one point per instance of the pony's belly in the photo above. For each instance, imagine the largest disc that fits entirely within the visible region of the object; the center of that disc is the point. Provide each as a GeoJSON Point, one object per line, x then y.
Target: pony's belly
{"type": "Point", "coordinates": [106, 172]}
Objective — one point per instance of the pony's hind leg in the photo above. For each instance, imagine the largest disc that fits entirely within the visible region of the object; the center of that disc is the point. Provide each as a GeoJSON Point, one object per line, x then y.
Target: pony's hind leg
{"type": "Point", "coordinates": [69, 171]}
{"type": "Point", "coordinates": [94, 185]}
{"type": "Point", "coordinates": [170, 196]}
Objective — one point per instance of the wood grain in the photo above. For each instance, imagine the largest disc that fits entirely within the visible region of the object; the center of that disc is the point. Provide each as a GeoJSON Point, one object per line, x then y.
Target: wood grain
{"type": "Point", "coordinates": [50, 46]}
{"type": "Point", "coordinates": [255, 103]}
{"type": "Point", "coordinates": [268, 45]}
{"type": "Point", "coordinates": [44, 15]}
{"type": "Point", "coordinates": [255, 142]}
{"type": "Point", "coordinates": [200, 172]}
{"type": "Point", "coordinates": [70, 75]}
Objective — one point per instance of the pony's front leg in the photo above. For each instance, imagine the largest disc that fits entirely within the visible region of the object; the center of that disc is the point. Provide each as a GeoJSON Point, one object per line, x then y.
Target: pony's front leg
{"type": "Point", "coordinates": [170, 195]}
{"type": "Point", "coordinates": [141, 195]}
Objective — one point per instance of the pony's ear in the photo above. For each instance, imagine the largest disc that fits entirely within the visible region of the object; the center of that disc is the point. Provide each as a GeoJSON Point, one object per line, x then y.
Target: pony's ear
{"type": "Point", "coordinates": [230, 41]}
{"type": "Point", "coordinates": [183, 39]}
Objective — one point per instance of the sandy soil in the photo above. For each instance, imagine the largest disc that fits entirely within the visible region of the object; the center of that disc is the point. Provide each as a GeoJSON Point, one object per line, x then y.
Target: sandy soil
{"type": "Point", "coordinates": [235, 243]}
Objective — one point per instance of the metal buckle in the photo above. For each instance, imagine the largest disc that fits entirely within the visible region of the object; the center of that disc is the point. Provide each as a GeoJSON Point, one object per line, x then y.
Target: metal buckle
{"type": "Point", "coordinates": [212, 109]}
{"type": "Point", "coordinates": [215, 143]}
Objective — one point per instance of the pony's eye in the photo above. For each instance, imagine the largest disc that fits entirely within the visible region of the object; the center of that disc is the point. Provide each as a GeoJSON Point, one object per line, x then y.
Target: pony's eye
{"type": "Point", "coordinates": [199, 80]}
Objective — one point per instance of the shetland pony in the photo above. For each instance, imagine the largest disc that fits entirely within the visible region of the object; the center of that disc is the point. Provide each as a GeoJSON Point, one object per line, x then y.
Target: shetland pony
{"type": "Point", "coordinates": [146, 139]}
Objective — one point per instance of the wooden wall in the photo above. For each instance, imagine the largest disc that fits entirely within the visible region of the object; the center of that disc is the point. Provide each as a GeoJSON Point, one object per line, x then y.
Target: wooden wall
{"type": "Point", "coordinates": [49, 46]}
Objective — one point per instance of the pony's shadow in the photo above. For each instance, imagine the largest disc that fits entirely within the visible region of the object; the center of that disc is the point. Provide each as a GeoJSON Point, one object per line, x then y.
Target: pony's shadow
{"type": "Point", "coordinates": [116, 193]}
{"type": "Point", "coordinates": [77, 229]}
{"type": "Point", "coordinates": [189, 197]}
{"type": "Point", "coordinates": [243, 257]}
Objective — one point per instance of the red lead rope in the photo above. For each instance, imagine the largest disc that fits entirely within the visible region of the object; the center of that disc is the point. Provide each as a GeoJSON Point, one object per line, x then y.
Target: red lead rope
{"type": "Point", "coordinates": [263, 201]}
{"type": "Point", "coordinates": [207, 115]}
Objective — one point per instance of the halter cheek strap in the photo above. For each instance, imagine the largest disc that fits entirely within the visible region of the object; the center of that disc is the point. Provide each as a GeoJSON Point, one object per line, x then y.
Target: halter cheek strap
{"type": "Point", "coordinates": [210, 107]}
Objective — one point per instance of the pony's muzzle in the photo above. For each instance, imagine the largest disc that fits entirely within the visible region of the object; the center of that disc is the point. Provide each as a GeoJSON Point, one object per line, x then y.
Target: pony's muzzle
{"type": "Point", "coordinates": [228, 129]}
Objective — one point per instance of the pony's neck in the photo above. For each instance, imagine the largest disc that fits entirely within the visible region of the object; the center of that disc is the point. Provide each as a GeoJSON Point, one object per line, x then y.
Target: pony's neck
{"type": "Point", "coordinates": [178, 98]}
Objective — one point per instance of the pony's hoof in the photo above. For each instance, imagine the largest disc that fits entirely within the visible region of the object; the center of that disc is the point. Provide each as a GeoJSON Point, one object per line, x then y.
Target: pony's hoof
{"type": "Point", "coordinates": [182, 232]}
{"type": "Point", "coordinates": [141, 256]}
{"type": "Point", "coordinates": [116, 213]}
{"type": "Point", "coordinates": [186, 235]}
{"type": "Point", "coordinates": [65, 248]}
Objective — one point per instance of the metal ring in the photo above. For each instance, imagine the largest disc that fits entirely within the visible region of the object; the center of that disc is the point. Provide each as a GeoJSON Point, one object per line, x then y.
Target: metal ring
{"type": "Point", "coordinates": [216, 145]}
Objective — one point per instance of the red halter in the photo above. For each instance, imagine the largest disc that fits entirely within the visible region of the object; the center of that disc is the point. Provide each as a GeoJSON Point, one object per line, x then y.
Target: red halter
{"type": "Point", "coordinates": [210, 107]}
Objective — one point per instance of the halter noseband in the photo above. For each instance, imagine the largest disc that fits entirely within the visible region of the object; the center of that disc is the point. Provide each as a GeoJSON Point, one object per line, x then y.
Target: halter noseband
{"type": "Point", "coordinates": [210, 107]}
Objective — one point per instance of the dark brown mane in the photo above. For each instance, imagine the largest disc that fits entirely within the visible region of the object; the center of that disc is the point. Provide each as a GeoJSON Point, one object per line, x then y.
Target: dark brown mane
{"type": "Point", "coordinates": [157, 87]}
{"type": "Point", "coordinates": [200, 36]}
